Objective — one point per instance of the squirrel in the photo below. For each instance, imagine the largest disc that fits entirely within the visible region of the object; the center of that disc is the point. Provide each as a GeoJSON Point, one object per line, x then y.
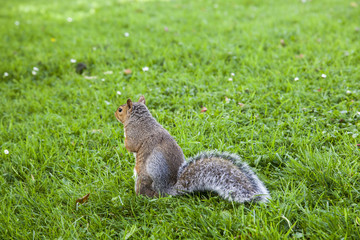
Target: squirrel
{"type": "Point", "coordinates": [161, 168]}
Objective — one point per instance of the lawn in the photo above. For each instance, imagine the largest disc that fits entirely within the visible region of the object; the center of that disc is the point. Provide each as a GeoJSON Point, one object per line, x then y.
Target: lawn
{"type": "Point", "coordinates": [280, 80]}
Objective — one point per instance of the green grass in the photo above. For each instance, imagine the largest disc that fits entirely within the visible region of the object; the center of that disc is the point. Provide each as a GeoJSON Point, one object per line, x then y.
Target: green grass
{"type": "Point", "coordinates": [299, 136]}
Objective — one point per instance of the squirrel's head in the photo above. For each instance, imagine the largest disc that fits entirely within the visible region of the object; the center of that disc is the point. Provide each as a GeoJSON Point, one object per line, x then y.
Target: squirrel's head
{"type": "Point", "coordinates": [124, 111]}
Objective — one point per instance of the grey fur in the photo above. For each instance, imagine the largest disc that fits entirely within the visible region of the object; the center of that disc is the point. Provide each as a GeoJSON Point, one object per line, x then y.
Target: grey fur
{"type": "Point", "coordinates": [222, 173]}
{"type": "Point", "coordinates": [159, 175]}
{"type": "Point", "coordinates": [162, 168]}
{"type": "Point", "coordinates": [158, 156]}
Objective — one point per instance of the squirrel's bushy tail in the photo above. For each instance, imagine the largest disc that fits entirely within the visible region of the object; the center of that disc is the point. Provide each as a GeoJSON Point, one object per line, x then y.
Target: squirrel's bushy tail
{"type": "Point", "coordinates": [222, 173]}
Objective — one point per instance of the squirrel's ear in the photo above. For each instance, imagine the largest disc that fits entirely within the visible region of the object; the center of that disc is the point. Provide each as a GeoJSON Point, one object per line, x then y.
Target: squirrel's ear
{"type": "Point", "coordinates": [142, 100]}
{"type": "Point", "coordinates": [129, 104]}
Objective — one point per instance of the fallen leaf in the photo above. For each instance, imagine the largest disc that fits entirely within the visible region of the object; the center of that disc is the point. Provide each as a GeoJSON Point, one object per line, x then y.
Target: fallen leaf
{"type": "Point", "coordinates": [82, 200]}
{"type": "Point", "coordinates": [127, 71]}
{"type": "Point", "coordinates": [203, 109]}
{"type": "Point", "coordinates": [90, 77]}
{"type": "Point", "coordinates": [353, 4]}
{"type": "Point", "coordinates": [241, 104]}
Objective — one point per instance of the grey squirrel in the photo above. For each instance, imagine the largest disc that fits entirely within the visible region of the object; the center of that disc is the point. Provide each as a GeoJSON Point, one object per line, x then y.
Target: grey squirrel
{"type": "Point", "coordinates": [161, 169]}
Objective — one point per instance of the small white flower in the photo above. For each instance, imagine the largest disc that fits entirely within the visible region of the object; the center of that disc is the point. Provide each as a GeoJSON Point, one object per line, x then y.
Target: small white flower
{"type": "Point", "coordinates": [69, 19]}
{"type": "Point", "coordinates": [17, 23]}
{"type": "Point", "coordinates": [33, 72]}
{"type": "Point", "coordinates": [94, 48]}
{"type": "Point", "coordinates": [118, 93]}
{"type": "Point", "coordinates": [323, 75]}
{"type": "Point", "coordinates": [343, 112]}
{"type": "Point", "coordinates": [296, 79]}
{"type": "Point", "coordinates": [35, 69]}
{"type": "Point", "coordinates": [230, 79]}
{"type": "Point", "coordinates": [6, 74]}
{"type": "Point", "coordinates": [145, 69]}
{"type": "Point", "coordinates": [6, 151]}
{"type": "Point", "coordinates": [348, 92]}
{"type": "Point", "coordinates": [73, 60]}
{"type": "Point", "coordinates": [103, 79]}
{"type": "Point", "coordinates": [126, 34]}
{"type": "Point", "coordinates": [233, 74]}
{"type": "Point", "coordinates": [107, 103]}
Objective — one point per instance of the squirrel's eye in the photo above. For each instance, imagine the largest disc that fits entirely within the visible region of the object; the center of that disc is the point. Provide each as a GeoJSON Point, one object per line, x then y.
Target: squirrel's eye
{"type": "Point", "coordinates": [120, 109]}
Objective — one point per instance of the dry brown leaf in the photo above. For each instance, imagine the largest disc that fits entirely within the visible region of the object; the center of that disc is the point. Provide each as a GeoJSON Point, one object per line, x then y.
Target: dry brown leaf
{"type": "Point", "coordinates": [82, 200]}
{"type": "Point", "coordinates": [127, 71]}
